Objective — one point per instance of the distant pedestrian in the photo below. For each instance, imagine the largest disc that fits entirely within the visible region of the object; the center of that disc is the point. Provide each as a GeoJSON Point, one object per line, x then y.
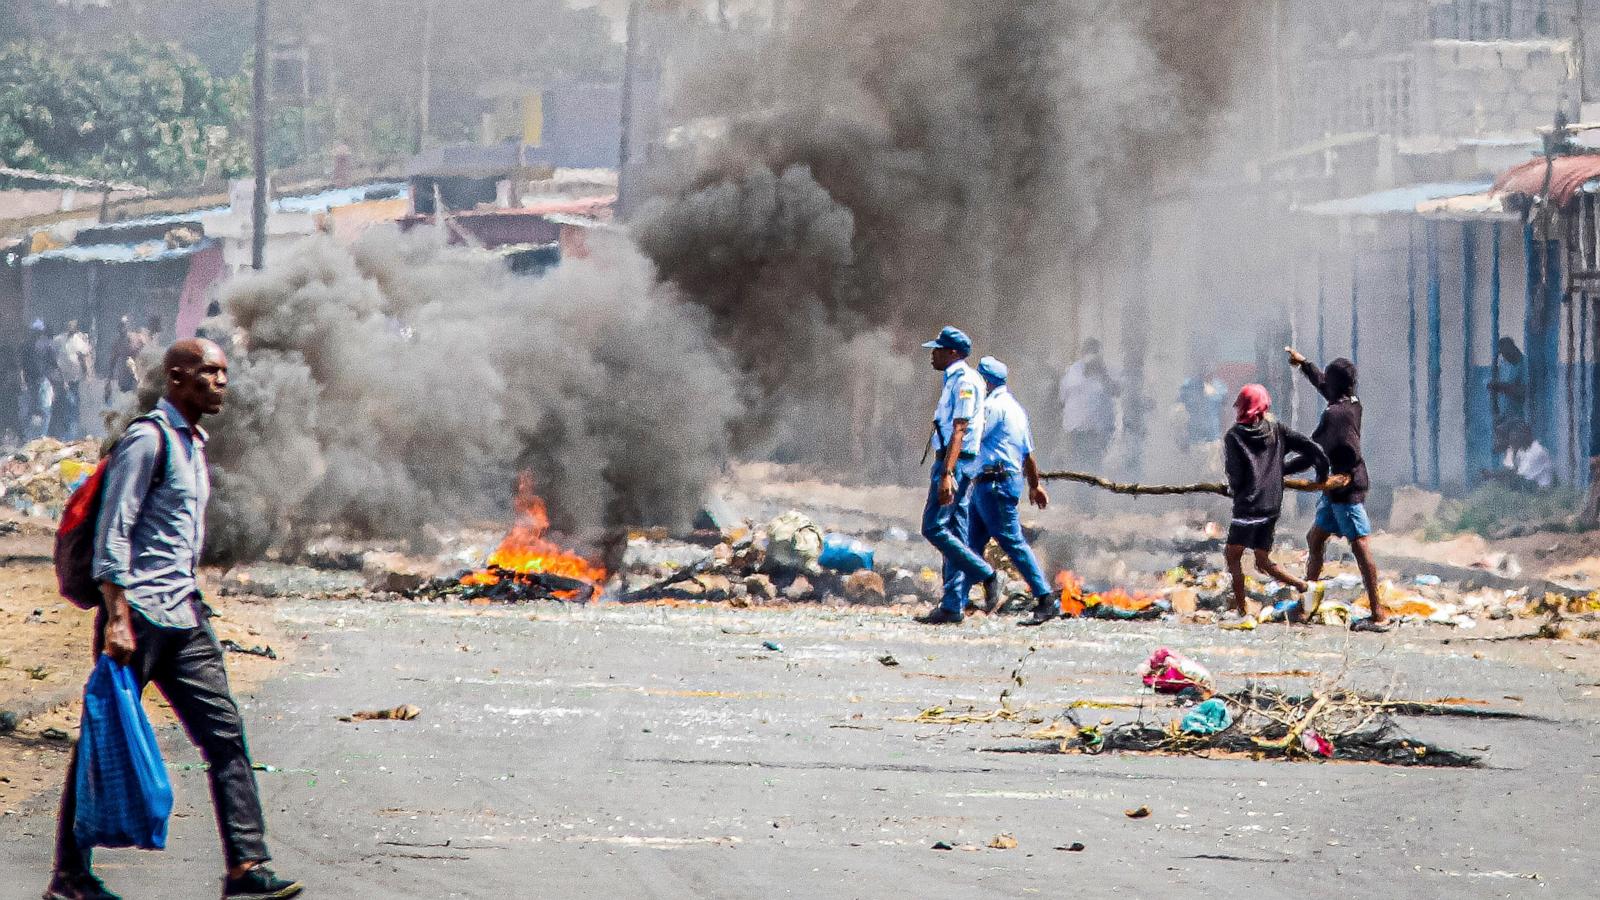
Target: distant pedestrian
{"type": "Point", "coordinates": [1256, 453]}
{"type": "Point", "coordinates": [1006, 465]}
{"type": "Point", "coordinates": [74, 362]}
{"type": "Point", "coordinates": [957, 433]}
{"type": "Point", "coordinates": [1342, 511]}
{"type": "Point", "coordinates": [1203, 398]}
{"type": "Point", "coordinates": [1509, 388]}
{"type": "Point", "coordinates": [39, 380]}
{"type": "Point", "coordinates": [154, 620]}
{"type": "Point", "coordinates": [122, 363]}
{"type": "Point", "coordinates": [1088, 408]}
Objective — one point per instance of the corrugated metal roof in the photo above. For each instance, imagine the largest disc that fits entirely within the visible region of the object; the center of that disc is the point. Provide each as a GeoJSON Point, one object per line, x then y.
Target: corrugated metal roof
{"type": "Point", "coordinates": [1395, 200]}
{"type": "Point", "coordinates": [1567, 175]}
{"type": "Point", "coordinates": [143, 252]}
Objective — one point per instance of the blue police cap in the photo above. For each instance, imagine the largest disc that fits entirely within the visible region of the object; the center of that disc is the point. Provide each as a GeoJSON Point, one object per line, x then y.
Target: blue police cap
{"type": "Point", "coordinates": [992, 370]}
{"type": "Point", "coordinates": [951, 338]}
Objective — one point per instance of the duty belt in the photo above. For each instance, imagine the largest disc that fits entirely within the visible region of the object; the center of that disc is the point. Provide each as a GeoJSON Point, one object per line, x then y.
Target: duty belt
{"type": "Point", "coordinates": [995, 473]}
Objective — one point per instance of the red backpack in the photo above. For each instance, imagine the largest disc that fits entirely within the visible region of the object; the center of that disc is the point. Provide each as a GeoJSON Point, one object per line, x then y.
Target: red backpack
{"type": "Point", "coordinates": [75, 535]}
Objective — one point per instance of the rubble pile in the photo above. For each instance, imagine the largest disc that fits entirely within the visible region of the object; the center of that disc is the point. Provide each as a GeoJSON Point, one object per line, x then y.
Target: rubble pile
{"type": "Point", "coordinates": [37, 479]}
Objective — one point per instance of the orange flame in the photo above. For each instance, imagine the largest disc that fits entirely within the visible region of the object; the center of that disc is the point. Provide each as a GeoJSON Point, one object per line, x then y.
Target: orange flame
{"type": "Point", "coordinates": [526, 550]}
{"type": "Point", "coordinates": [1074, 601]}
{"type": "Point", "coordinates": [1071, 588]}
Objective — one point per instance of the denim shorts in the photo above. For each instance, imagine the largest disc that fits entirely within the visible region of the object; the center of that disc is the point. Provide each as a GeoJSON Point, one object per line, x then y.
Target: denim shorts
{"type": "Point", "coordinates": [1347, 520]}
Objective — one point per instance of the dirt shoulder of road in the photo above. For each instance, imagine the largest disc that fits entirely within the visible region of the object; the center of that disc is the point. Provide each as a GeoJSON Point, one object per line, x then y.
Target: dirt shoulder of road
{"type": "Point", "coordinates": [45, 658]}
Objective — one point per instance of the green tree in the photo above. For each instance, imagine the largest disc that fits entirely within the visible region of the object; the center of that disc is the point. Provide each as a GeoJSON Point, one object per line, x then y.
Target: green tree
{"type": "Point", "coordinates": [136, 111]}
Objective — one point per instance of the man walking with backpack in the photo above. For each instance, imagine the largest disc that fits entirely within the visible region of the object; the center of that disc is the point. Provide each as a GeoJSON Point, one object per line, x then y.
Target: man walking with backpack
{"type": "Point", "coordinates": [152, 619]}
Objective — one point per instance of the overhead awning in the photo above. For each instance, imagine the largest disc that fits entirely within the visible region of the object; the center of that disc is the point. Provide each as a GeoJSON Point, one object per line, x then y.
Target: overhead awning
{"type": "Point", "coordinates": [1393, 201]}
{"type": "Point", "coordinates": [1484, 206]}
{"type": "Point", "coordinates": [1559, 178]}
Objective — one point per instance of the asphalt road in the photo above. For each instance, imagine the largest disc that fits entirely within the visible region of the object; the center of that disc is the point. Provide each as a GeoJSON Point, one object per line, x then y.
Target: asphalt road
{"type": "Point", "coordinates": [650, 752]}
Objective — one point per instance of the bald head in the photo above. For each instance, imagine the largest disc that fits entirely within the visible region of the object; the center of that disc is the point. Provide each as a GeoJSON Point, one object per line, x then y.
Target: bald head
{"type": "Point", "coordinates": [197, 377]}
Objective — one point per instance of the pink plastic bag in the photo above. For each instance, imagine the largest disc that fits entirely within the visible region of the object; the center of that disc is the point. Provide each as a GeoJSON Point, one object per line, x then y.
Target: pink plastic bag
{"type": "Point", "coordinates": [1170, 673]}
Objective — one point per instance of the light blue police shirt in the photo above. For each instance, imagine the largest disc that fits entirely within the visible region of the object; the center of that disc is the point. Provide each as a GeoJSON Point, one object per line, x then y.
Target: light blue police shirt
{"type": "Point", "coordinates": [962, 398]}
{"type": "Point", "coordinates": [1007, 439]}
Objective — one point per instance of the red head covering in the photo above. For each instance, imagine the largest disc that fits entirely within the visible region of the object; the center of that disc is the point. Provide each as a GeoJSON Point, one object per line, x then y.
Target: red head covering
{"type": "Point", "coordinates": [1252, 404]}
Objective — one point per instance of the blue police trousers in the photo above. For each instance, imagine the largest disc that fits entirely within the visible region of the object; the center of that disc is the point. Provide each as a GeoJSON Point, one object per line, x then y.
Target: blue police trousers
{"type": "Point", "coordinates": [994, 515]}
{"type": "Point", "coordinates": [945, 527]}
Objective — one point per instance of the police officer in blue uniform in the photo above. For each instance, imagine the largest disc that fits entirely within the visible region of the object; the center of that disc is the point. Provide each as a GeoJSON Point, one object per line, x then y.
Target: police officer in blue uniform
{"type": "Point", "coordinates": [1005, 461]}
{"type": "Point", "coordinates": [957, 432]}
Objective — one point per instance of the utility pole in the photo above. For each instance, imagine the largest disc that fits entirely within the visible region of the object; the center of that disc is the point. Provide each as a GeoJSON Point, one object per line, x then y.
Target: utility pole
{"type": "Point", "coordinates": [630, 62]}
{"type": "Point", "coordinates": [425, 88]}
{"type": "Point", "coordinates": [258, 204]}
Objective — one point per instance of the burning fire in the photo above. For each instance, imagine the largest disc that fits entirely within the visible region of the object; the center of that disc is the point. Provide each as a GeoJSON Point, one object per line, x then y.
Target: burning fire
{"type": "Point", "coordinates": [525, 550]}
{"type": "Point", "coordinates": [1074, 601]}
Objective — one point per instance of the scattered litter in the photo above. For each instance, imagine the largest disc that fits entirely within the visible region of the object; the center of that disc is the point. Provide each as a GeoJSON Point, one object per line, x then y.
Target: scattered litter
{"type": "Point", "coordinates": [844, 554]}
{"type": "Point", "coordinates": [1169, 673]}
{"type": "Point", "coordinates": [1315, 744]}
{"type": "Point", "coordinates": [1074, 847]}
{"type": "Point", "coordinates": [1209, 717]}
{"type": "Point", "coordinates": [1140, 813]}
{"type": "Point", "coordinates": [943, 845]}
{"type": "Point", "coordinates": [1427, 580]}
{"type": "Point", "coordinates": [233, 646]}
{"type": "Point", "coordinates": [794, 544]}
{"type": "Point", "coordinates": [889, 660]}
{"type": "Point", "coordinates": [37, 479]}
{"type": "Point", "coordinates": [8, 721]}
{"type": "Point", "coordinates": [54, 734]}
{"type": "Point", "coordinates": [774, 646]}
{"type": "Point", "coordinates": [1003, 842]}
{"type": "Point", "coordinates": [403, 713]}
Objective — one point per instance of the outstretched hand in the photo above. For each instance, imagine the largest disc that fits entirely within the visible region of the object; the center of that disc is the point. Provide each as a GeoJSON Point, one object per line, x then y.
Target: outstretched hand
{"type": "Point", "coordinates": [1296, 358]}
{"type": "Point", "coordinates": [1336, 482]}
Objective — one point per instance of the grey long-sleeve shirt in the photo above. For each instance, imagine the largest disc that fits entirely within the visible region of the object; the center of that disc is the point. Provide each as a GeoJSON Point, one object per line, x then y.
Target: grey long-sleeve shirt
{"type": "Point", "coordinates": [151, 528]}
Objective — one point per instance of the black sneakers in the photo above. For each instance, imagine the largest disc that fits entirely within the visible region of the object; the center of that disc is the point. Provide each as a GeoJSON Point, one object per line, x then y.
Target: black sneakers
{"type": "Point", "coordinates": [77, 887]}
{"type": "Point", "coordinates": [259, 883]}
{"type": "Point", "coordinates": [940, 616]}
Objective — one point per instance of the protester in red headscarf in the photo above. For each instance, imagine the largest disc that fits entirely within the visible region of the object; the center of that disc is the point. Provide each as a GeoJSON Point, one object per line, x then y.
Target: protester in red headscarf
{"type": "Point", "coordinates": [1256, 453]}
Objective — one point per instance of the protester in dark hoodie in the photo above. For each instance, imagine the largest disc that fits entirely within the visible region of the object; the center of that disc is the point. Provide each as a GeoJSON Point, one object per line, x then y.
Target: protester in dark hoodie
{"type": "Point", "coordinates": [1342, 510]}
{"type": "Point", "coordinates": [1256, 451]}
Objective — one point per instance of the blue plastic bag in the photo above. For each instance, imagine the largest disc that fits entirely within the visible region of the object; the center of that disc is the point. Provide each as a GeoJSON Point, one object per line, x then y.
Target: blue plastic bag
{"type": "Point", "coordinates": [844, 554]}
{"type": "Point", "coordinates": [1209, 717]}
{"type": "Point", "coordinates": [124, 797]}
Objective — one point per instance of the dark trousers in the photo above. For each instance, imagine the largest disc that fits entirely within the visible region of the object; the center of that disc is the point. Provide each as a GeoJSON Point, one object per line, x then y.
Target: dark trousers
{"type": "Point", "coordinates": [186, 664]}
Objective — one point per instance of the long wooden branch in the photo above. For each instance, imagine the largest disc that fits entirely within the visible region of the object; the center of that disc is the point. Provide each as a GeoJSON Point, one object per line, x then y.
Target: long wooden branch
{"type": "Point", "coordinates": [1162, 490]}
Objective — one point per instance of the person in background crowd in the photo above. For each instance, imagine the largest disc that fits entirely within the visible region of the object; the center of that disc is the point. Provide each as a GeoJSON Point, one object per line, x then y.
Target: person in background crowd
{"type": "Point", "coordinates": [74, 362]}
{"type": "Point", "coordinates": [1203, 399]}
{"type": "Point", "coordinates": [1088, 411]}
{"type": "Point", "coordinates": [39, 381]}
{"type": "Point", "coordinates": [1510, 386]}
{"type": "Point", "coordinates": [122, 364]}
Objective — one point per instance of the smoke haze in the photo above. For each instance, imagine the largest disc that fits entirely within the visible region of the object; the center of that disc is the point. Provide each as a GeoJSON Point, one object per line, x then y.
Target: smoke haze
{"type": "Point", "coordinates": [402, 384]}
{"type": "Point", "coordinates": [855, 179]}
{"type": "Point", "coordinates": [883, 168]}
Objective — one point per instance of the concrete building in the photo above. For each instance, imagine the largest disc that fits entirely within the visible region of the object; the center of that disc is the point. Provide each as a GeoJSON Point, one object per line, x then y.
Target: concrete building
{"type": "Point", "coordinates": [1358, 223]}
